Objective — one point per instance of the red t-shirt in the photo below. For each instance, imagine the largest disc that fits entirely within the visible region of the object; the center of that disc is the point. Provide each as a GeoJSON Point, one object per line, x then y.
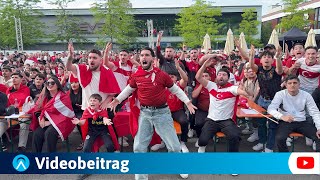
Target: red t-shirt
{"type": "Point", "coordinates": [21, 94]}
{"type": "Point", "coordinates": [152, 93]}
{"type": "Point", "coordinates": [174, 103]}
{"type": "Point", "coordinates": [203, 99]}
{"type": "Point", "coordinates": [193, 66]}
{"type": "Point", "coordinates": [290, 61]}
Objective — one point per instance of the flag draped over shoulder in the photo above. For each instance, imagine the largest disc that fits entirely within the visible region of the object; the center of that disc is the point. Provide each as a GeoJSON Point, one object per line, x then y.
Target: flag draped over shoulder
{"type": "Point", "coordinates": [89, 113]}
{"type": "Point", "coordinates": [107, 84]}
{"type": "Point", "coordinates": [58, 111]}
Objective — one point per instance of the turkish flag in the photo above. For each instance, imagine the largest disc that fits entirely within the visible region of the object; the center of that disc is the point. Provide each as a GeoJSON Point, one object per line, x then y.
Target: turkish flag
{"type": "Point", "coordinates": [60, 113]}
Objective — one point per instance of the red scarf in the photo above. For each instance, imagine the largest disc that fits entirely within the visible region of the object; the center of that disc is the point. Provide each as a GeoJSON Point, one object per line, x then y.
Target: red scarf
{"type": "Point", "coordinates": [107, 83]}
{"type": "Point", "coordinates": [89, 113]}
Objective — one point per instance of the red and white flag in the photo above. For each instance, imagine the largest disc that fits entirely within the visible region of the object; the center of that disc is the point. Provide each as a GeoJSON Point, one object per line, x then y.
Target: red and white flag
{"type": "Point", "coordinates": [60, 113]}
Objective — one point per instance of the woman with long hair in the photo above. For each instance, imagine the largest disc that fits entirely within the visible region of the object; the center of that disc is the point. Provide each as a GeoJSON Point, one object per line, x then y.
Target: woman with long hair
{"type": "Point", "coordinates": [52, 115]}
{"type": "Point", "coordinates": [76, 99]}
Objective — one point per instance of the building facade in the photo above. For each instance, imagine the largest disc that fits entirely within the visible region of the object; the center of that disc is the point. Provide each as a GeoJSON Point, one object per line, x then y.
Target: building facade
{"type": "Point", "coordinates": [164, 19]}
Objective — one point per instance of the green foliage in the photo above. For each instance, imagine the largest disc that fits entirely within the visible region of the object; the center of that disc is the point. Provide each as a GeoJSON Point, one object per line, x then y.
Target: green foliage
{"type": "Point", "coordinates": [119, 23]}
{"type": "Point", "coordinates": [66, 26]}
{"type": "Point", "coordinates": [266, 31]}
{"type": "Point", "coordinates": [295, 17]}
{"type": "Point", "coordinates": [196, 21]}
{"type": "Point", "coordinates": [249, 24]}
{"type": "Point", "coordinates": [31, 27]}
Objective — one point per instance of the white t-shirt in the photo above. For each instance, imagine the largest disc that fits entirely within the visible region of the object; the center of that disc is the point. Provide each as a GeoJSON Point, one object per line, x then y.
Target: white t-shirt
{"type": "Point", "coordinates": [308, 76]}
{"type": "Point", "coordinates": [91, 88]}
{"type": "Point", "coordinates": [222, 101]}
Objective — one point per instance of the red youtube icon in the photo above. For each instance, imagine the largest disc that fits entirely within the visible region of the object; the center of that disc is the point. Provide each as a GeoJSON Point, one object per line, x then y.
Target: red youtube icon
{"type": "Point", "coordinates": [305, 162]}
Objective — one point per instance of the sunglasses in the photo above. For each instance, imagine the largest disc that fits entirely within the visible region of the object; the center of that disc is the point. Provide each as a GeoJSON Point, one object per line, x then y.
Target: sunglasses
{"type": "Point", "coordinates": [50, 83]}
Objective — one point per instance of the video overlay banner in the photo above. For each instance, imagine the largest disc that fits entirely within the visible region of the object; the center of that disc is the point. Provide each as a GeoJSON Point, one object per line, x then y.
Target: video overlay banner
{"type": "Point", "coordinates": [160, 163]}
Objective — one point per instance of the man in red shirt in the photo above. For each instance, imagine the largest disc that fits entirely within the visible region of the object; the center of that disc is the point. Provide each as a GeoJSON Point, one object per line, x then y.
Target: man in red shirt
{"type": "Point", "coordinates": [17, 95]}
{"type": "Point", "coordinates": [151, 84]}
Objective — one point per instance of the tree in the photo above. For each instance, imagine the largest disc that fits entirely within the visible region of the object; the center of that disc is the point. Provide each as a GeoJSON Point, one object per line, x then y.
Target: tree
{"type": "Point", "coordinates": [31, 27]}
{"type": "Point", "coordinates": [196, 21]}
{"type": "Point", "coordinates": [295, 17]}
{"type": "Point", "coordinates": [66, 26]}
{"type": "Point", "coordinates": [266, 31]}
{"type": "Point", "coordinates": [119, 23]}
{"type": "Point", "coordinates": [249, 24]}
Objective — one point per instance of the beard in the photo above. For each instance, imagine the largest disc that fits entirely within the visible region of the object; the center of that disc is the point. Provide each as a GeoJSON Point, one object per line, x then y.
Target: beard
{"type": "Point", "coordinates": [93, 68]}
{"type": "Point", "coordinates": [147, 67]}
{"type": "Point", "coordinates": [221, 83]}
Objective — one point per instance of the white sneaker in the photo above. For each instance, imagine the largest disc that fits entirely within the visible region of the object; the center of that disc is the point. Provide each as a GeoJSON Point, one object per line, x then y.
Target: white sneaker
{"type": "Point", "coordinates": [202, 149]}
{"type": "Point", "coordinates": [258, 147]}
{"type": "Point", "coordinates": [184, 176]}
{"type": "Point", "coordinates": [234, 174]}
{"type": "Point", "coordinates": [309, 141]}
{"type": "Point", "coordinates": [190, 133]}
{"type": "Point", "coordinates": [254, 136]}
{"type": "Point", "coordinates": [125, 143]}
{"type": "Point", "coordinates": [246, 130]}
{"type": "Point", "coordinates": [156, 147]}
{"type": "Point", "coordinates": [267, 150]}
{"type": "Point", "coordinates": [197, 144]}
{"type": "Point", "coordinates": [288, 141]}
{"type": "Point", "coordinates": [184, 148]}
{"type": "Point", "coordinates": [314, 146]}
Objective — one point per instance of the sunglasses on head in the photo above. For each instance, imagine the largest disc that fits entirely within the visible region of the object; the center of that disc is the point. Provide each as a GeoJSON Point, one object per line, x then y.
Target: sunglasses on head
{"type": "Point", "coordinates": [50, 83]}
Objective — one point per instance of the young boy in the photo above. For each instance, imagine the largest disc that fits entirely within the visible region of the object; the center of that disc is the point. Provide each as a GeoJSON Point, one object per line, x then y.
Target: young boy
{"type": "Point", "coordinates": [96, 124]}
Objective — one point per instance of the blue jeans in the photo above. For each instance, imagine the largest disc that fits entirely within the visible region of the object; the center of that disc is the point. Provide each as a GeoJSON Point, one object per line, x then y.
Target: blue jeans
{"type": "Point", "coordinates": [266, 134]}
{"type": "Point", "coordinates": [162, 122]}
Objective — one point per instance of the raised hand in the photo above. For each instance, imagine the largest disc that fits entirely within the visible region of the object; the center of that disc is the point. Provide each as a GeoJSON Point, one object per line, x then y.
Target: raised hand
{"type": "Point", "coordinates": [207, 63]}
{"type": "Point", "coordinates": [107, 121]}
{"type": "Point", "coordinates": [71, 49]}
{"type": "Point", "coordinates": [279, 52]}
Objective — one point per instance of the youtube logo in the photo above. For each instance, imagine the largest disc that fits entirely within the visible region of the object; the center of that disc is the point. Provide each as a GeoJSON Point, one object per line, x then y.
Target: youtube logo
{"type": "Point", "coordinates": [305, 162]}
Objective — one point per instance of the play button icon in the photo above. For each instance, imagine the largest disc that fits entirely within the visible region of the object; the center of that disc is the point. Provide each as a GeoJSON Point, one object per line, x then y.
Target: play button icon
{"type": "Point", "coordinates": [305, 162]}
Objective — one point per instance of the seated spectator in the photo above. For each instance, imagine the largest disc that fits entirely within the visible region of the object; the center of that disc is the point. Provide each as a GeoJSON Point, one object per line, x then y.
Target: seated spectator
{"type": "Point", "coordinates": [48, 121]}
{"type": "Point", "coordinates": [290, 106]}
{"type": "Point", "coordinates": [37, 86]}
{"type": "Point", "coordinates": [17, 95]}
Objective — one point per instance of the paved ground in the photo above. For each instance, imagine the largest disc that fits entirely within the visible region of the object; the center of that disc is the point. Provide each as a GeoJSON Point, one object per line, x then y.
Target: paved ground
{"type": "Point", "coordinates": [244, 147]}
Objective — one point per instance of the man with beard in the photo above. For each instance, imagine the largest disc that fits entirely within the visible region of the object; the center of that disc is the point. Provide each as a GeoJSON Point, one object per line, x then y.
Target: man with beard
{"type": "Point", "coordinates": [167, 61]}
{"type": "Point", "coordinates": [151, 84]}
{"type": "Point", "coordinates": [222, 108]}
{"type": "Point", "coordinates": [93, 78]}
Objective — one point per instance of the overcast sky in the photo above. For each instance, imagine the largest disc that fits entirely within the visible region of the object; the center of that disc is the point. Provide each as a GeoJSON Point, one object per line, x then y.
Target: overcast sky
{"type": "Point", "coordinates": [175, 3]}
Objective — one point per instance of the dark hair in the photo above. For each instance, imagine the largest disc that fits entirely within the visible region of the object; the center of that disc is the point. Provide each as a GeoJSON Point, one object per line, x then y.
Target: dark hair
{"type": "Point", "coordinates": [34, 69]}
{"type": "Point", "coordinates": [17, 74]}
{"type": "Point", "coordinates": [96, 96]}
{"type": "Point", "coordinates": [7, 68]}
{"type": "Point", "coordinates": [149, 49]}
{"type": "Point", "coordinates": [76, 98]}
{"type": "Point", "coordinates": [297, 44]}
{"type": "Point", "coordinates": [291, 77]}
{"type": "Point", "coordinates": [194, 49]}
{"type": "Point", "coordinates": [95, 51]}
{"type": "Point", "coordinates": [266, 53]}
{"type": "Point", "coordinates": [226, 70]}
{"type": "Point", "coordinates": [27, 74]}
{"type": "Point", "coordinates": [311, 47]}
{"type": "Point", "coordinates": [41, 76]}
{"type": "Point", "coordinates": [123, 50]}
{"type": "Point", "coordinates": [169, 47]}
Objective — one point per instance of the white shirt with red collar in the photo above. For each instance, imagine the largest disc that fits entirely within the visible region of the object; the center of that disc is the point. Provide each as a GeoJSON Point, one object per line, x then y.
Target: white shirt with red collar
{"type": "Point", "coordinates": [222, 101]}
{"type": "Point", "coordinates": [308, 75]}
